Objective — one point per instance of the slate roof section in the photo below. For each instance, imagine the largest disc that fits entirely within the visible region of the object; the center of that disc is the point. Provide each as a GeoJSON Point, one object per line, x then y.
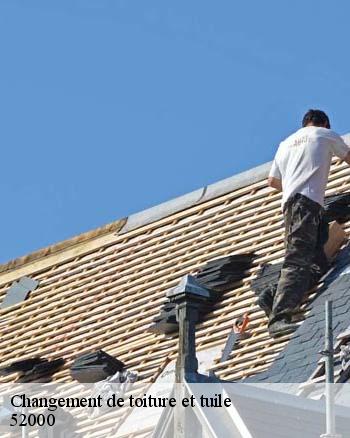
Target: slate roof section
{"type": "Point", "coordinates": [298, 360]}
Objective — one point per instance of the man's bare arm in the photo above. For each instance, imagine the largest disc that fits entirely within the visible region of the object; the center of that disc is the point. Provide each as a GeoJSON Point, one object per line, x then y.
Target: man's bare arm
{"type": "Point", "coordinates": [276, 183]}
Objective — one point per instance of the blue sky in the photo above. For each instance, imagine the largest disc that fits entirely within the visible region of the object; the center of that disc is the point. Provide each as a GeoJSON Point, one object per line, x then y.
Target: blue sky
{"type": "Point", "coordinates": [108, 107]}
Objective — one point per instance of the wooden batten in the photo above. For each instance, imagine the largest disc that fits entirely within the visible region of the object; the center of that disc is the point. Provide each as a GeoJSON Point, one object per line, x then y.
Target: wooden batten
{"type": "Point", "coordinates": [103, 292]}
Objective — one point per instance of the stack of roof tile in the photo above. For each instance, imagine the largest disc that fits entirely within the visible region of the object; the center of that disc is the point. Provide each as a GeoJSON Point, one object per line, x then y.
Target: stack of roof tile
{"type": "Point", "coordinates": [95, 366]}
{"type": "Point", "coordinates": [165, 322]}
{"type": "Point", "coordinates": [265, 284]}
{"type": "Point", "coordinates": [218, 276]}
{"type": "Point", "coordinates": [33, 368]}
{"type": "Point", "coordinates": [337, 207]}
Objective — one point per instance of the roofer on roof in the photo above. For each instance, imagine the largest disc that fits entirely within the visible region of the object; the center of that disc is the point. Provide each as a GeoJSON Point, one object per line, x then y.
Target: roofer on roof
{"type": "Point", "coordinates": [300, 170]}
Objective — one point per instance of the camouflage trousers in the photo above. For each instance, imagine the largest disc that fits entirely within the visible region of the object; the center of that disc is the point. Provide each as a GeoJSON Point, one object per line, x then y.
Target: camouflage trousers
{"type": "Point", "coordinates": [305, 262]}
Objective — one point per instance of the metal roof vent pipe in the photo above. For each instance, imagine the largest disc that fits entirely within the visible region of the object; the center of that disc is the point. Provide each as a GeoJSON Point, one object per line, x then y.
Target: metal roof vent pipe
{"type": "Point", "coordinates": [329, 365]}
{"type": "Point", "coordinates": [190, 297]}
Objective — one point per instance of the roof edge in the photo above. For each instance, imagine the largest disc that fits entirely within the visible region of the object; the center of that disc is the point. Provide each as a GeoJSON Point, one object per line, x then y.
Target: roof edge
{"type": "Point", "coordinates": [196, 197]}
{"type": "Point", "coordinates": [62, 246]}
{"type": "Point", "coordinates": [147, 216]}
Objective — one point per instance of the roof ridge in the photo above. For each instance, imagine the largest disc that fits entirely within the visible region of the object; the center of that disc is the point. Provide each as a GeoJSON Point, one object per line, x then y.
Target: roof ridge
{"type": "Point", "coordinates": [206, 193]}
{"type": "Point", "coordinates": [153, 214]}
{"type": "Point", "coordinates": [147, 216]}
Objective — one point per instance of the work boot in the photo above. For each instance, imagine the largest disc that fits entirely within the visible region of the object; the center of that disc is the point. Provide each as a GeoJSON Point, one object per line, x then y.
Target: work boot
{"type": "Point", "coordinates": [281, 327]}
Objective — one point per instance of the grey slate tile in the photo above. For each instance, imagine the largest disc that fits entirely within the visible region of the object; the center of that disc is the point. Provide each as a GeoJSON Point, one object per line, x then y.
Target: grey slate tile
{"type": "Point", "coordinates": [300, 357]}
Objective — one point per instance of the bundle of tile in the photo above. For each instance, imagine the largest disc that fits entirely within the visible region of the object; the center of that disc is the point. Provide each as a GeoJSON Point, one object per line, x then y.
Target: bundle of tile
{"type": "Point", "coordinates": [265, 285]}
{"type": "Point", "coordinates": [42, 370]}
{"type": "Point", "coordinates": [337, 207]}
{"type": "Point", "coordinates": [268, 275]}
{"type": "Point", "coordinates": [218, 276]}
{"type": "Point", "coordinates": [95, 366]}
{"type": "Point", "coordinates": [165, 322]}
{"type": "Point", "coordinates": [33, 368]}
{"type": "Point", "coordinates": [21, 366]}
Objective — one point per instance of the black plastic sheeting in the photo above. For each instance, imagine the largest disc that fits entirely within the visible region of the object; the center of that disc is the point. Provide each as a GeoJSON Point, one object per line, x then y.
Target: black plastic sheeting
{"type": "Point", "coordinates": [337, 207]}
{"type": "Point", "coordinates": [33, 368]}
{"type": "Point", "coordinates": [94, 367]}
{"type": "Point", "coordinates": [218, 276]}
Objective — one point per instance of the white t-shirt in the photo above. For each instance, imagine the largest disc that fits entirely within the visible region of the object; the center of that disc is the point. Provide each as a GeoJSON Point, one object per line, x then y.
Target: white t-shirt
{"type": "Point", "coordinates": [303, 161]}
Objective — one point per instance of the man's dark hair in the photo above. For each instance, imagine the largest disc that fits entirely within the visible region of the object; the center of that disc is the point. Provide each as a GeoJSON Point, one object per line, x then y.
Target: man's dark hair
{"type": "Point", "coordinates": [316, 118]}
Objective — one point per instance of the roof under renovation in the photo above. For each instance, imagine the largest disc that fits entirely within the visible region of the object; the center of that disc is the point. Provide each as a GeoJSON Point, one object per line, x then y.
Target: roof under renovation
{"type": "Point", "coordinates": [103, 289]}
